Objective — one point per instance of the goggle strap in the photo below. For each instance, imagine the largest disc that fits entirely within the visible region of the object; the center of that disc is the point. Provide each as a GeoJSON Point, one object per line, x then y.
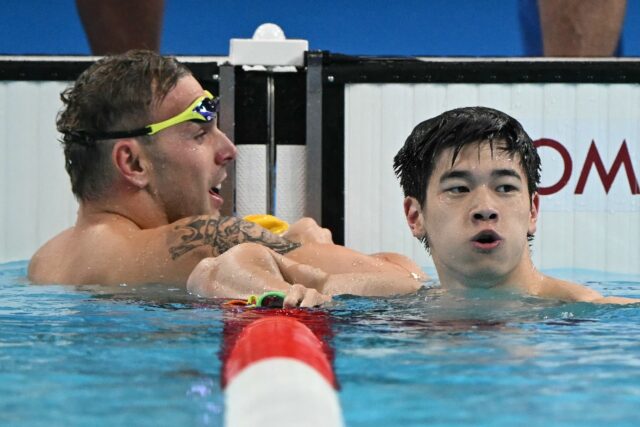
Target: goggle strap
{"type": "Point", "coordinates": [157, 127]}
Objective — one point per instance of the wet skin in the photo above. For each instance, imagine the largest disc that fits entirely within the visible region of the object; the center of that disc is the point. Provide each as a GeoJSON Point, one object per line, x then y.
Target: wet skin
{"type": "Point", "coordinates": [477, 215]}
{"type": "Point", "coordinates": [160, 218]}
{"type": "Point", "coordinates": [190, 158]}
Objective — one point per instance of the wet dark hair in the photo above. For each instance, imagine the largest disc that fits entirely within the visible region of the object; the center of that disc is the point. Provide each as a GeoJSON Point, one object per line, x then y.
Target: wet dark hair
{"type": "Point", "coordinates": [414, 163]}
{"type": "Point", "coordinates": [115, 93]}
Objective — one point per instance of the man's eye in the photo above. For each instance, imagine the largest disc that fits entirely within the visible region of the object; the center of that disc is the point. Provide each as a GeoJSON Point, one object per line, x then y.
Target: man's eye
{"type": "Point", "coordinates": [458, 189]}
{"type": "Point", "coordinates": [506, 188]}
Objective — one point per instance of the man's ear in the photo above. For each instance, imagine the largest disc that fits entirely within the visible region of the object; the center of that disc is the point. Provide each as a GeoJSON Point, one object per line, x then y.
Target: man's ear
{"type": "Point", "coordinates": [533, 213]}
{"type": "Point", "coordinates": [131, 162]}
{"type": "Point", "coordinates": [413, 213]}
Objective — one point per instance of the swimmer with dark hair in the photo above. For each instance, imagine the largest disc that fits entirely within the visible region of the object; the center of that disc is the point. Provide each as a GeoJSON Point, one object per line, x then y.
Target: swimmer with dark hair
{"type": "Point", "coordinates": [470, 178]}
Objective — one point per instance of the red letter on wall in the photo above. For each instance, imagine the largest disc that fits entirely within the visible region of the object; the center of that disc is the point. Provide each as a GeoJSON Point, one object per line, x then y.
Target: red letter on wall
{"type": "Point", "coordinates": [566, 159]}
{"type": "Point", "coordinates": [593, 158]}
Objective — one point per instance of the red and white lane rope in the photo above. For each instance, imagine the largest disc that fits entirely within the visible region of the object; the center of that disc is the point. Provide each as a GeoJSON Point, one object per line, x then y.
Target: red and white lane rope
{"type": "Point", "coordinates": [277, 374]}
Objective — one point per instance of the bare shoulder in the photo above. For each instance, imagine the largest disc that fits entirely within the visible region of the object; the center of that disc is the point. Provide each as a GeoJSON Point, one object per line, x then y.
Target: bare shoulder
{"type": "Point", "coordinates": [82, 254]}
{"type": "Point", "coordinates": [113, 249]}
{"type": "Point", "coordinates": [563, 290]}
{"type": "Point", "coordinates": [573, 292]}
{"type": "Point", "coordinates": [47, 263]}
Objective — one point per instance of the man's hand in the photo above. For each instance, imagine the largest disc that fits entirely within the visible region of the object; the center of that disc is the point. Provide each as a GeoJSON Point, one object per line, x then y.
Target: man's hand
{"type": "Point", "coordinates": [306, 230]}
{"type": "Point", "coordinates": [299, 296]}
{"type": "Point", "coordinates": [252, 269]}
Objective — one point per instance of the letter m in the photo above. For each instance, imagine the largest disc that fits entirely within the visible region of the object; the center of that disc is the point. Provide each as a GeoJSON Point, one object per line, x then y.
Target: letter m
{"type": "Point", "coordinates": [594, 159]}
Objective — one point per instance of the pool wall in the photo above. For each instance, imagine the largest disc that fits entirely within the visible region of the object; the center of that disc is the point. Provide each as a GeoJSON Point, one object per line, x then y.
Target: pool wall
{"type": "Point", "coordinates": [35, 198]}
{"type": "Point", "coordinates": [588, 139]}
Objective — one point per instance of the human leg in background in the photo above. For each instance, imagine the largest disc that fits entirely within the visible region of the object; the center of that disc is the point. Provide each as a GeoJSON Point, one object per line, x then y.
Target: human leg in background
{"type": "Point", "coordinates": [581, 27]}
{"type": "Point", "coordinates": [116, 26]}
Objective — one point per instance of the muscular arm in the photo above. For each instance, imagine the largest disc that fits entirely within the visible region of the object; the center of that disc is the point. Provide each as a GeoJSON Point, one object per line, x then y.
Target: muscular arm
{"type": "Point", "coordinates": [115, 250]}
{"type": "Point", "coordinates": [221, 234]}
{"type": "Point", "coordinates": [249, 269]}
{"type": "Point", "coordinates": [253, 269]}
{"type": "Point", "coordinates": [336, 259]}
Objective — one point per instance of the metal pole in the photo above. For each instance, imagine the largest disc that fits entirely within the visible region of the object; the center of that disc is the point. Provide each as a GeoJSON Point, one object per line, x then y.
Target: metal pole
{"type": "Point", "coordinates": [314, 136]}
{"type": "Point", "coordinates": [227, 122]}
{"type": "Point", "coordinates": [271, 145]}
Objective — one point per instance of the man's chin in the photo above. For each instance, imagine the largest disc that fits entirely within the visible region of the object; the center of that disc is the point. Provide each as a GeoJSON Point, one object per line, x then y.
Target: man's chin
{"type": "Point", "coordinates": [485, 277]}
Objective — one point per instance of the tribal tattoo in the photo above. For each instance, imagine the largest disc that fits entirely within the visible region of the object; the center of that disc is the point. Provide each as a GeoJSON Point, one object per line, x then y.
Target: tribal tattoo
{"type": "Point", "coordinates": [221, 234]}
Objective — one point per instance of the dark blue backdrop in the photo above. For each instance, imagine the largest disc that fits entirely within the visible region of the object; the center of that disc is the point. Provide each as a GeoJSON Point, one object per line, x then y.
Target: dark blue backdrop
{"type": "Point", "coordinates": [369, 27]}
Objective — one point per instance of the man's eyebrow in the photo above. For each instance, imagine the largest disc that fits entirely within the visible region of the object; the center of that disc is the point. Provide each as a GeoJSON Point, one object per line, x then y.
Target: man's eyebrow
{"type": "Point", "coordinates": [468, 176]}
{"type": "Point", "coordinates": [506, 172]}
{"type": "Point", "coordinates": [200, 124]}
{"type": "Point", "coordinates": [455, 174]}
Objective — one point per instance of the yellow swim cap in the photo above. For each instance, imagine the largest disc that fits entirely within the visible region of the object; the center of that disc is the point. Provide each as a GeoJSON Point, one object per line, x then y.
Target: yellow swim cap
{"type": "Point", "coordinates": [270, 222]}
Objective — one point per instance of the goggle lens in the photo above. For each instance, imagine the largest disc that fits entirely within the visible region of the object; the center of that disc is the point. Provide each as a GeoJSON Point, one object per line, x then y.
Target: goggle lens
{"type": "Point", "coordinates": [208, 108]}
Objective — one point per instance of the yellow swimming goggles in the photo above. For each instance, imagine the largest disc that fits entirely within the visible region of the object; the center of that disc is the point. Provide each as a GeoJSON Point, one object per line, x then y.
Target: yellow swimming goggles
{"type": "Point", "coordinates": [203, 109]}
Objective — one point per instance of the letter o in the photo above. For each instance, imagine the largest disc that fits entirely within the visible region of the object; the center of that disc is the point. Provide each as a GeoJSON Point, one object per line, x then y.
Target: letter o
{"type": "Point", "coordinates": [566, 159]}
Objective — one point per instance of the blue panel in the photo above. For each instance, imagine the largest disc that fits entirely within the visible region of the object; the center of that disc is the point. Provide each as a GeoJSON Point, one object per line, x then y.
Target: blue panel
{"type": "Point", "coordinates": [375, 27]}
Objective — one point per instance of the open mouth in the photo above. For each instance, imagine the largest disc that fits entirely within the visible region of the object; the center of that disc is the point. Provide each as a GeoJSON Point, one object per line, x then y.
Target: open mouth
{"type": "Point", "coordinates": [487, 239]}
{"type": "Point", "coordinates": [216, 198]}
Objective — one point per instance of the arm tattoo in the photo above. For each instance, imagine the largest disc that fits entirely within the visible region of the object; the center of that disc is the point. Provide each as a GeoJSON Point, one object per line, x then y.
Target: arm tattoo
{"type": "Point", "coordinates": [221, 234]}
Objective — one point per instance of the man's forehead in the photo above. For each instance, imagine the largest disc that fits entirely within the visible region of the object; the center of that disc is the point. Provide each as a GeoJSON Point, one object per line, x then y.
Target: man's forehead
{"type": "Point", "coordinates": [186, 90]}
{"type": "Point", "coordinates": [494, 151]}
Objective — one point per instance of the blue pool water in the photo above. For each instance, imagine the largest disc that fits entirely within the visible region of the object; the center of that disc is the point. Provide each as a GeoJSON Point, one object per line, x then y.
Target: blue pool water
{"type": "Point", "coordinates": [148, 356]}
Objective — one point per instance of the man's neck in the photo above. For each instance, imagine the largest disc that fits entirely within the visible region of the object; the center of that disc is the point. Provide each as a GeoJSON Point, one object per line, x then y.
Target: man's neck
{"type": "Point", "coordinates": [523, 278]}
{"type": "Point", "coordinates": [135, 208]}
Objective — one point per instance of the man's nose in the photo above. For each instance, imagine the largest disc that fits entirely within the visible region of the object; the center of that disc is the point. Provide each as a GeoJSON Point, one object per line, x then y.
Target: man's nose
{"type": "Point", "coordinates": [226, 151]}
{"type": "Point", "coordinates": [486, 214]}
{"type": "Point", "coordinates": [483, 208]}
